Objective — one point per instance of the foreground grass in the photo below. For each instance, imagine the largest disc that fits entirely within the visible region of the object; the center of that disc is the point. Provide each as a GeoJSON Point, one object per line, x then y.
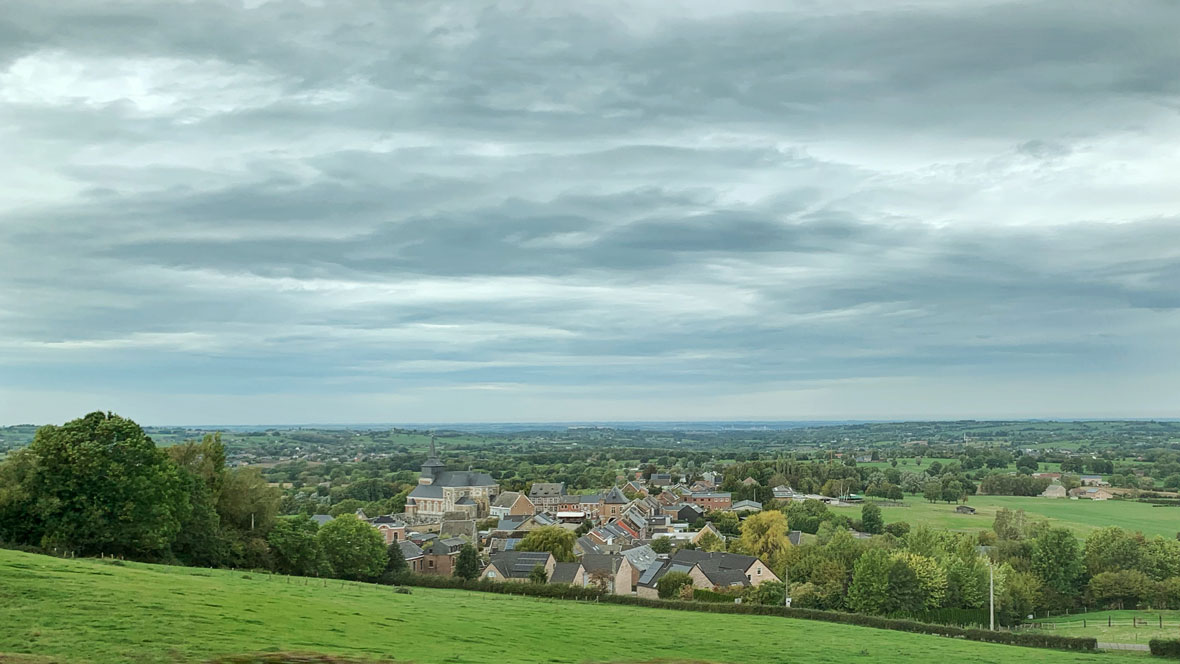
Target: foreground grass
{"type": "Point", "coordinates": [1125, 626]}
{"type": "Point", "coordinates": [90, 611]}
{"type": "Point", "coordinates": [1080, 516]}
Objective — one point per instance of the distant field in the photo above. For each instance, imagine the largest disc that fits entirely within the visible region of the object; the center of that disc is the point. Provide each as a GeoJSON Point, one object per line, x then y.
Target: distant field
{"type": "Point", "coordinates": [1081, 516]}
{"type": "Point", "coordinates": [1125, 626]}
{"type": "Point", "coordinates": [90, 611]}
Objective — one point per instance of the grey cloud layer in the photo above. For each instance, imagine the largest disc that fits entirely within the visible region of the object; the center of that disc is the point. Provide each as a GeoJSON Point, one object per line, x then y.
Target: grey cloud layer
{"type": "Point", "coordinates": [447, 206]}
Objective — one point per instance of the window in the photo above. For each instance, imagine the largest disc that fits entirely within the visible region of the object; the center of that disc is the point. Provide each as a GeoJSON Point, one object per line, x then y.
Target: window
{"type": "Point", "coordinates": [491, 574]}
{"type": "Point", "coordinates": [758, 571]}
{"type": "Point", "coordinates": [430, 564]}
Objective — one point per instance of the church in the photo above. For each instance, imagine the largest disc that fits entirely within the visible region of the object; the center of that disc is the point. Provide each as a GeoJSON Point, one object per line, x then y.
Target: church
{"type": "Point", "coordinates": [440, 491]}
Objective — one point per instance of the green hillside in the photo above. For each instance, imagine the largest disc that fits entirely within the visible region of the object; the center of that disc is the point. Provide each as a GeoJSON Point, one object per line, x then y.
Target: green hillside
{"type": "Point", "coordinates": [91, 611]}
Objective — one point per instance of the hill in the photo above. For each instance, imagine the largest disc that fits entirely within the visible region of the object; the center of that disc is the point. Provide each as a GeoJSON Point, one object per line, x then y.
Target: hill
{"type": "Point", "coordinates": [95, 611]}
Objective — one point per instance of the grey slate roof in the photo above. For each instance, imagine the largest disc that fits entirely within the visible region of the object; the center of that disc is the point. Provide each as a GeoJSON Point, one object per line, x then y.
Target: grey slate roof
{"type": "Point", "coordinates": [596, 561]}
{"type": "Point", "coordinates": [410, 550]}
{"type": "Point", "coordinates": [506, 499]}
{"type": "Point", "coordinates": [614, 497]}
{"type": "Point", "coordinates": [465, 500]}
{"type": "Point", "coordinates": [426, 491]}
{"type": "Point", "coordinates": [642, 557]}
{"type": "Point", "coordinates": [321, 519]}
{"type": "Point", "coordinates": [510, 523]}
{"type": "Point", "coordinates": [547, 490]}
{"type": "Point", "coordinates": [463, 478]}
{"type": "Point", "coordinates": [565, 572]}
{"type": "Point", "coordinates": [518, 564]}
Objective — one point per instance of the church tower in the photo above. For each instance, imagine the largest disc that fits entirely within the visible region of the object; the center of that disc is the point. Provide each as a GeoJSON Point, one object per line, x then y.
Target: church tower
{"type": "Point", "coordinates": [431, 467]}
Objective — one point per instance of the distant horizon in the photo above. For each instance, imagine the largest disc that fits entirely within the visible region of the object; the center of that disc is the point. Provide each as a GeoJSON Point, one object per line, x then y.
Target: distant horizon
{"type": "Point", "coordinates": [797, 423]}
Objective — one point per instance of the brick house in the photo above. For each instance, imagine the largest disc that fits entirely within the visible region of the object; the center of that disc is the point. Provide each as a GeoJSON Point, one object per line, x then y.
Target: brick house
{"type": "Point", "coordinates": [712, 500]}
{"type": "Point", "coordinates": [512, 503]}
{"type": "Point", "coordinates": [438, 557]}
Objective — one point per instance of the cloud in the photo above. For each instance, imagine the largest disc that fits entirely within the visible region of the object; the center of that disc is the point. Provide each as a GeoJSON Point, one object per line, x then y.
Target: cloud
{"type": "Point", "coordinates": [528, 212]}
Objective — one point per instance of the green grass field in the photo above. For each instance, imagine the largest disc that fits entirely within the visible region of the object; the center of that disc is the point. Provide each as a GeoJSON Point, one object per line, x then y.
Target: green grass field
{"type": "Point", "coordinates": [1081, 516]}
{"type": "Point", "coordinates": [91, 611]}
{"type": "Point", "coordinates": [1124, 627]}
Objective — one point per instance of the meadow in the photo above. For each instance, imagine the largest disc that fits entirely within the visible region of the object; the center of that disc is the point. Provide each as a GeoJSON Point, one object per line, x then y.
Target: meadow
{"type": "Point", "coordinates": [94, 611]}
{"type": "Point", "coordinates": [1080, 516]}
{"type": "Point", "coordinates": [1116, 626]}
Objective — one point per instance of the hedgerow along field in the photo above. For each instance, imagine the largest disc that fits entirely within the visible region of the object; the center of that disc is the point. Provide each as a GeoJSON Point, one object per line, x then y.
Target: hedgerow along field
{"type": "Point", "coordinates": [1080, 516]}
{"type": "Point", "coordinates": [95, 611]}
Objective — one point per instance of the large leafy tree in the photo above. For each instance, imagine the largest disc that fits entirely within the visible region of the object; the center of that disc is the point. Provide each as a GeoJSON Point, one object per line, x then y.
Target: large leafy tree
{"type": "Point", "coordinates": [102, 485]}
{"type": "Point", "coordinates": [467, 563]}
{"type": "Point", "coordinates": [765, 535]}
{"type": "Point", "coordinates": [1057, 561]}
{"type": "Point", "coordinates": [354, 549]}
{"type": "Point", "coordinates": [1111, 549]}
{"type": "Point", "coordinates": [869, 590]}
{"type": "Point", "coordinates": [871, 520]}
{"type": "Point", "coordinates": [296, 549]}
{"type": "Point", "coordinates": [554, 539]}
{"type": "Point", "coordinates": [396, 567]}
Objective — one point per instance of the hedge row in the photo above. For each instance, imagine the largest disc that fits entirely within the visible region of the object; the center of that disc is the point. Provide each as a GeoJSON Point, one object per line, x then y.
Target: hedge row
{"type": "Point", "coordinates": [551, 590]}
{"type": "Point", "coordinates": [954, 616]}
{"type": "Point", "coordinates": [703, 595]}
{"type": "Point", "coordinates": [1165, 647]}
{"type": "Point", "coordinates": [558, 591]}
{"type": "Point", "coordinates": [1009, 638]}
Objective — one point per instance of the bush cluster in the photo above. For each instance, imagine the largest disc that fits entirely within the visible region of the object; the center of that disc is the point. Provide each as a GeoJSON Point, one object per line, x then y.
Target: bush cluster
{"type": "Point", "coordinates": [1165, 647]}
{"type": "Point", "coordinates": [551, 590]}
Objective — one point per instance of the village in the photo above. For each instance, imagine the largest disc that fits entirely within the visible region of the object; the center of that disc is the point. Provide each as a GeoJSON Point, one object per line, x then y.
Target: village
{"type": "Point", "coordinates": [623, 545]}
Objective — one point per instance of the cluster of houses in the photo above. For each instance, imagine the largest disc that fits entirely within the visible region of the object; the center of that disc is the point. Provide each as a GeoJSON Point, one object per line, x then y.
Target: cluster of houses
{"type": "Point", "coordinates": [615, 554]}
{"type": "Point", "coordinates": [1093, 487]}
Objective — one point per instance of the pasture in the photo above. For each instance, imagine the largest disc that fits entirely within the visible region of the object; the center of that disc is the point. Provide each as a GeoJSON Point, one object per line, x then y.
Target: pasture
{"type": "Point", "coordinates": [93, 611]}
{"type": "Point", "coordinates": [1080, 516]}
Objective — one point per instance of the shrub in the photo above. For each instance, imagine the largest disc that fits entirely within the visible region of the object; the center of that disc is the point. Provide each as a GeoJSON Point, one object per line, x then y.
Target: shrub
{"type": "Point", "coordinates": [1165, 647]}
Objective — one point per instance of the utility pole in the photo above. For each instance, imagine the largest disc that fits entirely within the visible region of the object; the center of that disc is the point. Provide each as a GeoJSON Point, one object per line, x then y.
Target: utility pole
{"type": "Point", "coordinates": [991, 594]}
{"type": "Point", "coordinates": [787, 587]}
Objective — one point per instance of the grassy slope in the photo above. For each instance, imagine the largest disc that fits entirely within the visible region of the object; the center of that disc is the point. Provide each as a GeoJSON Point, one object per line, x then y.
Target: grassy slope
{"type": "Point", "coordinates": [86, 610]}
{"type": "Point", "coordinates": [1081, 516]}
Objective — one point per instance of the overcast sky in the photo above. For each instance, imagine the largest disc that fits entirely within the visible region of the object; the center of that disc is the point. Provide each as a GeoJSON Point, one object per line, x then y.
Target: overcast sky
{"type": "Point", "coordinates": [405, 212]}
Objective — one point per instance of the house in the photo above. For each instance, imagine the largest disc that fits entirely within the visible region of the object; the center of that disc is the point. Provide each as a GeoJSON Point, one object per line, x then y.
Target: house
{"type": "Point", "coordinates": [439, 556]}
{"type": "Point", "coordinates": [413, 555]}
{"type": "Point", "coordinates": [611, 503]}
{"type": "Point", "coordinates": [512, 503]}
{"type": "Point", "coordinates": [391, 528]}
{"type": "Point", "coordinates": [660, 479]}
{"type": "Point", "coordinates": [963, 509]}
{"type": "Point", "coordinates": [1091, 493]}
{"type": "Point", "coordinates": [1054, 491]}
{"type": "Point", "coordinates": [711, 478]}
{"type": "Point", "coordinates": [685, 512]}
{"type": "Point", "coordinates": [321, 519]}
{"type": "Point", "coordinates": [707, 570]}
{"type": "Point", "coordinates": [747, 506]}
{"type": "Point", "coordinates": [635, 487]}
{"type": "Point", "coordinates": [713, 500]}
{"type": "Point", "coordinates": [784, 492]}
{"type": "Point", "coordinates": [641, 558]}
{"type": "Point", "coordinates": [517, 565]}
{"type": "Point", "coordinates": [440, 491]}
{"type": "Point", "coordinates": [1094, 480]}
{"type": "Point", "coordinates": [519, 526]}
{"type": "Point", "coordinates": [1052, 476]}
{"type": "Point", "coordinates": [569, 573]}
{"type": "Point", "coordinates": [546, 495]}
{"type": "Point", "coordinates": [612, 572]}
{"type": "Point", "coordinates": [749, 481]}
